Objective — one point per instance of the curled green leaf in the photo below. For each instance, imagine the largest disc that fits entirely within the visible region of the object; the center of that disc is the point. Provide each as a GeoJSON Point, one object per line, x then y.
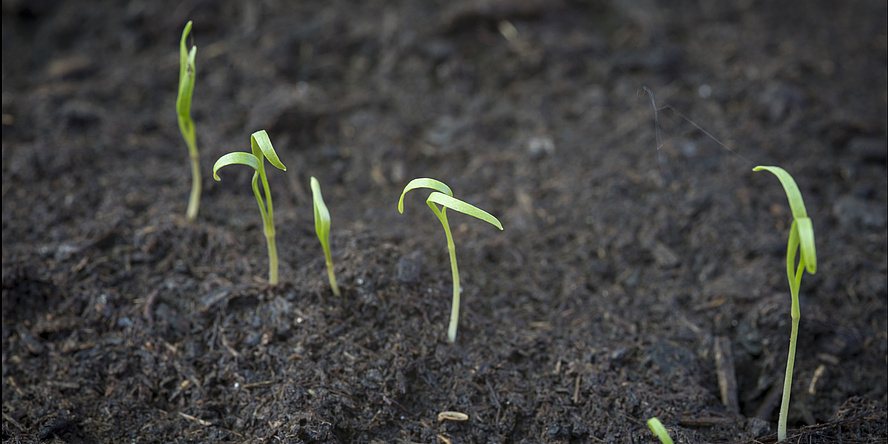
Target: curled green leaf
{"type": "Point", "coordinates": [236, 158]}
{"type": "Point", "coordinates": [423, 182]}
{"type": "Point", "coordinates": [806, 240]}
{"type": "Point", "coordinates": [800, 215]}
{"type": "Point", "coordinates": [260, 143]}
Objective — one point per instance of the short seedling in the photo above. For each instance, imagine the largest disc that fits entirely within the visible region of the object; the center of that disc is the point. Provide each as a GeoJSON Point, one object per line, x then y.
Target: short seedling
{"type": "Point", "coordinates": [186, 125]}
{"type": "Point", "coordinates": [444, 197]}
{"type": "Point", "coordinates": [261, 150]}
{"type": "Point", "coordinates": [801, 245]}
{"type": "Point", "coordinates": [322, 227]}
{"type": "Point", "coordinates": [657, 427]}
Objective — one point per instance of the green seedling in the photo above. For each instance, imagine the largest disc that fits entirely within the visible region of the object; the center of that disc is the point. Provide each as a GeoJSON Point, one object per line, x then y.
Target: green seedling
{"type": "Point", "coordinates": [657, 427]}
{"type": "Point", "coordinates": [444, 197]}
{"type": "Point", "coordinates": [261, 150]}
{"type": "Point", "coordinates": [322, 227]}
{"type": "Point", "coordinates": [187, 72]}
{"type": "Point", "coordinates": [801, 245]}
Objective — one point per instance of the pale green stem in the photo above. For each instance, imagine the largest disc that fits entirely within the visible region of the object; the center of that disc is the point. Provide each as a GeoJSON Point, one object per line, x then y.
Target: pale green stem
{"type": "Point", "coordinates": [454, 309]}
{"type": "Point", "coordinates": [186, 126]}
{"type": "Point", "coordinates": [329, 259]}
{"type": "Point", "coordinates": [795, 281]}
{"type": "Point", "coordinates": [267, 212]}
{"type": "Point", "coordinates": [787, 381]}
{"type": "Point", "coordinates": [451, 247]}
{"type": "Point", "coordinates": [272, 257]}
{"type": "Point", "coordinates": [269, 236]}
{"type": "Point", "coordinates": [194, 200]}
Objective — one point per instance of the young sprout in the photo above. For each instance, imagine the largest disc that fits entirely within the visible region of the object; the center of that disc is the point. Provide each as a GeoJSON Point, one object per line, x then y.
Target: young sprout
{"type": "Point", "coordinates": [444, 197]}
{"type": "Point", "coordinates": [322, 227]}
{"type": "Point", "coordinates": [801, 245]}
{"type": "Point", "coordinates": [186, 125]}
{"type": "Point", "coordinates": [657, 427]}
{"type": "Point", "coordinates": [262, 149]}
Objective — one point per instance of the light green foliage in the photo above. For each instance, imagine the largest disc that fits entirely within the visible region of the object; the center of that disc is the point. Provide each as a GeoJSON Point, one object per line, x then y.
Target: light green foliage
{"type": "Point", "coordinates": [801, 246]}
{"type": "Point", "coordinates": [444, 197]}
{"type": "Point", "coordinates": [261, 150]}
{"type": "Point", "coordinates": [657, 427]}
{"type": "Point", "coordinates": [187, 72]}
{"type": "Point", "coordinates": [322, 227]}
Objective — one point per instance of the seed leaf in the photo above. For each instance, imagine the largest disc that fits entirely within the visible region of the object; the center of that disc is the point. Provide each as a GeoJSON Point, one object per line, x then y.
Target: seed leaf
{"type": "Point", "coordinates": [260, 143]}
{"type": "Point", "coordinates": [800, 215]}
{"type": "Point", "coordinates": [187, 73]}
{"type": "Point", "coordinates": [423, 182]}
{"type": "Point", "coordinates": [321, 213]}
{"type": "Point", "coordinates": [236, 158]}
{"type": "Point", "coordinates": [465, 208]}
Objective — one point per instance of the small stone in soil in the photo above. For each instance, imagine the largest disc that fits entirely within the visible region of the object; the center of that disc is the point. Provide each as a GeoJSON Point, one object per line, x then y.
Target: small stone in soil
{"type": "Point", "coordinates": [409, 267]}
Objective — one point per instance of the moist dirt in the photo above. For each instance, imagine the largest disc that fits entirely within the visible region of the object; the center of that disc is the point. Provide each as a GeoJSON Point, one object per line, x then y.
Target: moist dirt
{"type": "Point", "coordinates": [631, 281]}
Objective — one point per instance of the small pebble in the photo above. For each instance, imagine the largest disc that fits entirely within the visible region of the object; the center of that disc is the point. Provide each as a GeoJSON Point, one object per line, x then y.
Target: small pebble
{"type": "Point", "coordinates": [125, 322]}
{"type": "Point", "coordinates": [409, 267]}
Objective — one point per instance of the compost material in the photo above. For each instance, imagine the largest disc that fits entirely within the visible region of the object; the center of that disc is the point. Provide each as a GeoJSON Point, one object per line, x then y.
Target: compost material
{"type": "Point", "coordinates": [641, 272]}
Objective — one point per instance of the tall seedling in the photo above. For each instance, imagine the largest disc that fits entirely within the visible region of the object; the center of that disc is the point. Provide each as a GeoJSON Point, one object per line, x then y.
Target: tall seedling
{"type": "Point", "coordinates": [444, 197]}
{"type": "Point", "coordinates": [187, 72]}
{"type": "Point", "coordinates": [261, 149]}
{"type": "Point", "coordinates": [801, 245]}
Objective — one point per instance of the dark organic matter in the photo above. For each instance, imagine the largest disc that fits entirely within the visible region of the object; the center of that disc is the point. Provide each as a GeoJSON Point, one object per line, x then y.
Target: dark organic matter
{"type": "Point", "coordinates": [599, 307]}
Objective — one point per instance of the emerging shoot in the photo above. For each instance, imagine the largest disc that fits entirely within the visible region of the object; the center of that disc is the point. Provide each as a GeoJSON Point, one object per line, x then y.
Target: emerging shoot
{"type": "Point", "coordinates": [322, 227]}
{"type": "Point", "coordinates": [187, 72]}
{"type": "Point", "coordinates": [657, 427]}
{"type": "Point", "coordinates": [444, 197]}
{"type": "Point", "coordinates": [801, 245]}
{"type": "Point", "coordinates": [261, 150]}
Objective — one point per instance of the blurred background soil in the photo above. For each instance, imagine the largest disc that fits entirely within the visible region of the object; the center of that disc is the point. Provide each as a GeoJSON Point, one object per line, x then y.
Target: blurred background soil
{"type": "Point", "coordinates": [630, 281]}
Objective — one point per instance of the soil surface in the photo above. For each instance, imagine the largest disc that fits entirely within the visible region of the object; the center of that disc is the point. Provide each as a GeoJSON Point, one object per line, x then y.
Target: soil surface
{"type": "Point", "coordinates": [629, 282]}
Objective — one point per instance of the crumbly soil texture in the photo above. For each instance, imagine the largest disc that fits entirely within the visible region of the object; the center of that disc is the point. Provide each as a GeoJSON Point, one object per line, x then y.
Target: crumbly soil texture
{"type": "Point", "coordinates": [641, 272]}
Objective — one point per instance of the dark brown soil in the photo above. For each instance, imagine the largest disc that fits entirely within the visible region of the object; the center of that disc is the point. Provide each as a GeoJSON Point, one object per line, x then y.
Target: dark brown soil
{"type": "Point", "coordinates": [627, 282]}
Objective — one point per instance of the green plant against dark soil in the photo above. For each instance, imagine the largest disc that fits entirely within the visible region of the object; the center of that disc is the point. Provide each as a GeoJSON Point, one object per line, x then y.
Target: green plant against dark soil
{"type": "Point", "coordinates": [657, 427]}
{"type": "Point", "coordinates": [187, 73]}
{"type": "Point", "coordinates": [442, 195]}
{"type": "Point", "coordinates": [800, 247]}
{"type": "Point", "coordinates": [261, 149]}
{"type": "Point", "coordinates": [322, 228]}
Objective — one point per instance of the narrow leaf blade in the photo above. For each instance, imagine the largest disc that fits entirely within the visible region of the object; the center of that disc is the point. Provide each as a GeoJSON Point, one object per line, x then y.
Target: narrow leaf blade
{"type": "Point", "coordinates": [463, 207]}
{"type": "Point", "coordinates": [236, 158]}
{"type": "Point", "coordinates": [806, 240]}
{"type": "Point", "coordinates": [423, 182]}
{"type": "Point", "coordinates": [796, 204]}
{"type": "Point", "coordinates": [260, 139]}
{"type": "Point", "coordinates": [187, 74]}
{"type": "Point", "coordinates": [183, 51]}
{"type": "Point", "coordinates": [321, 213]}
